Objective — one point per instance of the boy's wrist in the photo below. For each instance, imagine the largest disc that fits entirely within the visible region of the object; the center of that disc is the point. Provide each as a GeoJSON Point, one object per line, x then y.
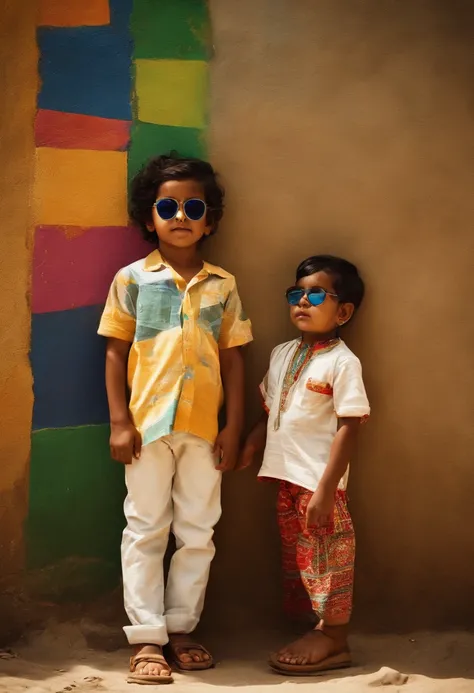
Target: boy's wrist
{"type": "Point", "coordinates": [120, 421]}
{"type": "Point", "coordinates": [327, 488]}
{"type": "Point", "coordinates": [235, 425]}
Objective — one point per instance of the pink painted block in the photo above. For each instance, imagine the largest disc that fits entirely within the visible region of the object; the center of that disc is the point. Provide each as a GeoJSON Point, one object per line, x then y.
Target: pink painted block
{"type": "Point", "coordinates": [74, 267]}
{"type": "Point", "coordinates": [75, 131]}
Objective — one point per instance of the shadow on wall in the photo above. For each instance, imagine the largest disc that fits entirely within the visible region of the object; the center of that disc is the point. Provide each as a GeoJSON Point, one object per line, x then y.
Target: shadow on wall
{"type": "Point", "coordinates": [347, 128]}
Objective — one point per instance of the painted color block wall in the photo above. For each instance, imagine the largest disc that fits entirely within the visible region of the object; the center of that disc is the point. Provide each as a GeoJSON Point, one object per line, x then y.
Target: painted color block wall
{"type": "Point", "coordinates": [104, 68]}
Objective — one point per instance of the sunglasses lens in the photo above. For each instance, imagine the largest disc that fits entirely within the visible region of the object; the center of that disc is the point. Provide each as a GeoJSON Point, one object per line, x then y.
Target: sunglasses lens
{"type": "Point", "coordinates": [195, 209]}
{"type": "Point", "coordinates": [316, 297]}
{"type": "Point", "coordinates": [294, 296]}
{"type": "Point", "coordinates": [167, 208]}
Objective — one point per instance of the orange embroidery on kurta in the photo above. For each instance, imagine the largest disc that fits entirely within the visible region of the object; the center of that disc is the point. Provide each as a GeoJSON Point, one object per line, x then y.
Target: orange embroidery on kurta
{"type": "Point", "coordinates": [321, 388]}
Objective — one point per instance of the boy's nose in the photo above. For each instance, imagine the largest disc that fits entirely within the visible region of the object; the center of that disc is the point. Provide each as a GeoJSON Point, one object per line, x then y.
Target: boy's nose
{"type": "Point", "coordinates": [304, 303]}
{"type": "Point", "coordinates": [180, 216]}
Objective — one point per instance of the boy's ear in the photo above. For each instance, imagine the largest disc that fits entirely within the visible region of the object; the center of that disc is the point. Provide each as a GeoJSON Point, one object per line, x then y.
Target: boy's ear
{"type": "Point", "coordinates": [346, 311]}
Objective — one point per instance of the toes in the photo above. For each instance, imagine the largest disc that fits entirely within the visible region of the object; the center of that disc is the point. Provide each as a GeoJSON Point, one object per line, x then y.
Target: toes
{"type": "Point", "coordinates": [193, 656]}
{"type": "Point", "coordinates": [151, 670]}
{"type": "Point", "coordinates": [199, 655]}
{"type": "Point", "coordinates": [185, 658]}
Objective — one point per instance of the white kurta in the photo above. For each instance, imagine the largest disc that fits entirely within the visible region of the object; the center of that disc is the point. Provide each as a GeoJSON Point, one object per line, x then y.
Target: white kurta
{"type": "Point", "coordinates": [300, 439]}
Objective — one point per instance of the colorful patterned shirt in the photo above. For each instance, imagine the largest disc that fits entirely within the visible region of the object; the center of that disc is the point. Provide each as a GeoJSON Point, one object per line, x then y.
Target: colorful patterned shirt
{"type": "Point", "coordinates": [176, 331]}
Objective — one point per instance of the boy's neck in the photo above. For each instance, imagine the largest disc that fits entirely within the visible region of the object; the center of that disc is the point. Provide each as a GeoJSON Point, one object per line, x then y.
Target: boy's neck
{"type": "Point", "coordinates": [182, 259]}
{"type": "Point", "coordinates": [312, 338]}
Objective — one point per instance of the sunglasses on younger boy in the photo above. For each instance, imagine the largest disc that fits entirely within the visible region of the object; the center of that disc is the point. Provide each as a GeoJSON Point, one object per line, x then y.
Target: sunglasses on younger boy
{"type": "Point", "coordinates": [315, 295]}
{"type": "Point", "coordinates": [168, 207]}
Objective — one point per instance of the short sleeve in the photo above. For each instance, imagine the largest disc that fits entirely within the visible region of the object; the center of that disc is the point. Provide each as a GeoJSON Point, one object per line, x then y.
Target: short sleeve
{"type": "Point", "coordinates": [119, 316]}
{"type": "Point", "coordinates": [350, 398]}
{"type": "Point", "coordinates": [268, 386]}
{"type": "Point", "coordinates": [266, 398]}
{"type": "Point", "coordinates": [236, 329]}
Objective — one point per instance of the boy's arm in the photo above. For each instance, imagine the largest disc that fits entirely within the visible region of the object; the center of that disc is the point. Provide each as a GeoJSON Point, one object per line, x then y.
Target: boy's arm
{"type": "Point", "coordinates": [321, 505]}
{"type": "Point", "coordinates": [351, 406]}
{"type": "Point", "coordinates": [232, 372]}
{"type": "Point", "coordinates": [125, 440]}
{"type": "Point", "coordinates": [236, 331]}
{"type": "Point", "coordinates": [255, 442]}
{"type": "Point", "coordinates": [257, 438]}
{"type": "Point", "coordinates": [118, 326]}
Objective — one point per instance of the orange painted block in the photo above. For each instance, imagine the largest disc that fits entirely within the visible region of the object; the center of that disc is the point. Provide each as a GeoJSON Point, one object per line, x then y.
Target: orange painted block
{"type": "Point", "coordinates": [80, 188]}
{"type": "Point", "coordinates": [74, 12]}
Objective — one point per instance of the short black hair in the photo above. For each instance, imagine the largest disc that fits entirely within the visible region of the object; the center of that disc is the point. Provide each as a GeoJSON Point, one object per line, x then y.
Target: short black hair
{"type": "Point", "coordinates": [166, 167]}
{"type": "Point", "coordinates": [347, 282]}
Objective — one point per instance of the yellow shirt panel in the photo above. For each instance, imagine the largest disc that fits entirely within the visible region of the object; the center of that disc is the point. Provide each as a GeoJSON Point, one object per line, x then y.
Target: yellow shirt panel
{"type": "Point", "coordinates": [176, 331]}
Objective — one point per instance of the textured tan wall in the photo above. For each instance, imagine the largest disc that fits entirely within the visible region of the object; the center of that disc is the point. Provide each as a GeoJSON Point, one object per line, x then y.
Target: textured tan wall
{"type": "Point", "coordinates": [346, 127]}
{"type": "Point", "coordinates": [18, 87]}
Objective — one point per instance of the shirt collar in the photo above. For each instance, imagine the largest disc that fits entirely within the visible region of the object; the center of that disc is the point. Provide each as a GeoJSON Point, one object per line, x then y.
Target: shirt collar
{"type": "Point", "coordinates": [155, 262]}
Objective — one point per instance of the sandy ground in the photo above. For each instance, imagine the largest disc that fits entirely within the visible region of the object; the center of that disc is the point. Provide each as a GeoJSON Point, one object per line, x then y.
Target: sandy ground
{"type": "Point", "coordinates": [59, 660]}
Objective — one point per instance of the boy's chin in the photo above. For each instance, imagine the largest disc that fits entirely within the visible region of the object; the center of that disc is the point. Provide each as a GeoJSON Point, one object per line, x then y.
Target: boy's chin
{"type": "Point", "coordinates": [303, 326]}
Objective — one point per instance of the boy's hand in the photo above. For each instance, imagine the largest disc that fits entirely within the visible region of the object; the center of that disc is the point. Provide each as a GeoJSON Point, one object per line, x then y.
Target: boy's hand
{"type": "Point", "coordinates": [320, 510]}
{"type": "Point", "coordinates": [125, 442]}
{"type": "Point", "coordinates": [246, 456]}
{"type": "Point", "coordinates": [226, 448]}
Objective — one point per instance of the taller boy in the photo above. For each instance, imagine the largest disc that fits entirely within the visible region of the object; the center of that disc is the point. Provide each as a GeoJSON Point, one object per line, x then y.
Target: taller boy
{"type": "Point", "coordinates": [174, 326]}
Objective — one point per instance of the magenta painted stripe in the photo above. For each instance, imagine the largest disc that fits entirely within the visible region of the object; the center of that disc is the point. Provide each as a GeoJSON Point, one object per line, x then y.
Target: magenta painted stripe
{"type": "Point", "coordinates": [74, 267]}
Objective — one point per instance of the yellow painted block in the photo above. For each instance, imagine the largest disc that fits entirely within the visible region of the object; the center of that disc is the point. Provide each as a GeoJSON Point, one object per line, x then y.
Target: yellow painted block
{"type": "Point", "coordinates": [80, 188]}
{"type": "Point", "coordinates": [74, 12]}
{"type": "Point", "coordinates": [172, 92]}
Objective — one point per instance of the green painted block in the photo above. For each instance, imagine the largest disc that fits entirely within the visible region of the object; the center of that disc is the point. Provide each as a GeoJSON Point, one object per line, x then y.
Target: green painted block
{"type": "Point", "coordinates": [171, 29]}
{"type": "Point", "coordinates": [150, 140]}
{"type": "Point", "coordinates": [76, 499]}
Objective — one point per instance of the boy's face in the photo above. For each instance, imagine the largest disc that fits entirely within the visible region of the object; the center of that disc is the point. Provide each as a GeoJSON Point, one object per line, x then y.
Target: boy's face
{"type": "Point", "coordinates": [179, 232]}
{"type": "Point", "coordinates": [322, 320]}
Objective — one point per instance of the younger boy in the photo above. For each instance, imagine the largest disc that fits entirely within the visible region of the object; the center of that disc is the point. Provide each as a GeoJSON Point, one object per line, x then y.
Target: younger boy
{"type": "Point", "coordinates": [314, 400]}
{"type": "Point", "coordinates": [174, 326]}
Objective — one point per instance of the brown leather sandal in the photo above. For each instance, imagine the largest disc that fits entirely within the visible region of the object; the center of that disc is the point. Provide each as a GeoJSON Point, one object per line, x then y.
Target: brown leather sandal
{"type": "Point", "coordinates": [342, 660]}
{"type": "Point", "coordinates": [149, 679]}
{"type": "Point", "coordinates": [183, 647]}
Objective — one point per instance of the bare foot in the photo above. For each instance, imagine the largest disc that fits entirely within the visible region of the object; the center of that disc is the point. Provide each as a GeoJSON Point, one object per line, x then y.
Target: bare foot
{"type": "Point", "coordinates": [315, 646]}
{"type": "Point", "coordinates": [151, 668]}
{"type": "Point", "coordinates": [181, 646]}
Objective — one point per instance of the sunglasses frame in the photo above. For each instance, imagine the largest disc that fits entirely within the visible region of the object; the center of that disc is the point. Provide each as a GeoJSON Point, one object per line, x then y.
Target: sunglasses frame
{"type": "Point", "coordinates": [306, 292]}
{"type": "Point", "coordinates": [180, 205]}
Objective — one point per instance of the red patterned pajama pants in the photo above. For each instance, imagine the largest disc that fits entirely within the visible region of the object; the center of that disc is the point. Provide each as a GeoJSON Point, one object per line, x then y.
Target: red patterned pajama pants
{"type": "Point", "coordinates": [318, 563]}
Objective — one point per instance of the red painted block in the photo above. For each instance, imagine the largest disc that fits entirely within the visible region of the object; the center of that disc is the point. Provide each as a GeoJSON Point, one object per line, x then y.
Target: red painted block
{"type": "Point", "coordinates": [74, 267]}
{"type": "Point", "coordinates": [73, 131]}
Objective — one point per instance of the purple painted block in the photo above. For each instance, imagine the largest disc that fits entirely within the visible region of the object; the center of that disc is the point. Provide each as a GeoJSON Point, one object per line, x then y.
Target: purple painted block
{"type": "Point", "coordinates": [74, 267]}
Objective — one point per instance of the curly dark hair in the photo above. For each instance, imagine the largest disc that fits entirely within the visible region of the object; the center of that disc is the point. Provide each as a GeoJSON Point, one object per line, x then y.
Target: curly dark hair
{"type": "Point", "coordinates": [158, 170]}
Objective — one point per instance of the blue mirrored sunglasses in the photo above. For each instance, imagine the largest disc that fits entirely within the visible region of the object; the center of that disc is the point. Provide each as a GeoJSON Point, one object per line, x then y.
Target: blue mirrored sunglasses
{"type": "Point", "coordinates": [168, 207]}
{"type": "Point", "coordinates": [315, 295]}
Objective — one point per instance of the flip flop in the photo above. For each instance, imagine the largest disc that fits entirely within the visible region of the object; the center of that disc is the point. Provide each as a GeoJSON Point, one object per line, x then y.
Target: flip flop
{"type": "Point", "coordinates": [183, 647]}
{"type": "Point", "coordinates": [148, 679]}
{"type": "Point", "coordinates": [342, 660]}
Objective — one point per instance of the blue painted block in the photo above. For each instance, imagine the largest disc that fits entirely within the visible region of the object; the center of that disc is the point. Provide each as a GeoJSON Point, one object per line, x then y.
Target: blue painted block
{"type": "Point", "coordinates": [86, 70]}
{"type": "Point", "coordinates": [67, 359]}
{"type": "Point", "coordinates": [120, 13]}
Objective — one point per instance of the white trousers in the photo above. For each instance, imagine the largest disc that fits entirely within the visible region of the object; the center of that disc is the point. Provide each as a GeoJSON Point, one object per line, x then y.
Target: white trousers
{"type": "Point", "coordinates": [173, 486]}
